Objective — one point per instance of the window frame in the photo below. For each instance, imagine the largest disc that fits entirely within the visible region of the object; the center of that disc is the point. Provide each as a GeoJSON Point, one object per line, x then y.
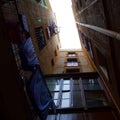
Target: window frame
{"type": "Point", "coordinates": [71, 62]}
{"type": "Point", "coordinates": [40, 36]}
{"type": "Point", "coordinates": [71, 54]}
{"type": "Point", "coordinates": [85, 95]}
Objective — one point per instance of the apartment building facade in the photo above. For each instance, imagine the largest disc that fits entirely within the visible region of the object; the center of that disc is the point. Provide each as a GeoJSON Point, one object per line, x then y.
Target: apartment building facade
{"type": "Point", "coordinates": [98, 26]}
{"type": "Point", "coordinates": [88, 87]}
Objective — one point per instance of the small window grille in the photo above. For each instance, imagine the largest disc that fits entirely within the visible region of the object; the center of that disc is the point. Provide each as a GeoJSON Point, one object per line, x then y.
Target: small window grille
{"type": "Point", "coordinates": [40, 37]}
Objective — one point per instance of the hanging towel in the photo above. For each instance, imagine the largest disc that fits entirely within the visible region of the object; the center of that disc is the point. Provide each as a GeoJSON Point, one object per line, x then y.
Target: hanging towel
{"type": "Point", "coordinates": [27, 55]}
{"type": "Point", "coordinates": [39, 94]}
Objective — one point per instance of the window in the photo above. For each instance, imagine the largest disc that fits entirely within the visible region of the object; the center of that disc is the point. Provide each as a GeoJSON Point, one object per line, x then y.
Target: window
{"type": "Point", "coordinates": [55, 52]}
{"type": "Point", "coordinates": [71, 54]}
{"type": "Point", "coordinates": [73, 70]}
{"type": "Point", "coordinates": [91, 84]}
{"type": "Point", "coordinates": [40, 37]}
{"type": "Point", "coordinates": [90, 49]}
{"type": "Point", "coordinates": [52, 62]}
{"type": "Point", "coordinates": [102, 63]}
{"type": "Point", "coordinates": [80, 3]}
{"type": "Point", "coordinates": [72, 62]}
{"type": "Point", "coordinates": [69, 92]}
{"type": "Point", "coordinates": [94, 99]}
{"type": "Point", "coordinates": [42, 3]}
{"type": "Point", "coordinates": [48, 33]}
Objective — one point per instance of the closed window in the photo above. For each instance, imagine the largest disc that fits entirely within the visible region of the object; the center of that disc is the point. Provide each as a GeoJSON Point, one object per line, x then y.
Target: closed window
{"type": "Point", "coordinates": [77, 92]}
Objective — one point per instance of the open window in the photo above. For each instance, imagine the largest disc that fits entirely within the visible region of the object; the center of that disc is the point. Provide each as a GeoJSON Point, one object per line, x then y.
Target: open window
{"type": "Point", "coordinates": [40, 37]}
{"type": "Point", "coordinates": [72, 62]}
{"type": "Point", "coordinates": [71, 54]}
